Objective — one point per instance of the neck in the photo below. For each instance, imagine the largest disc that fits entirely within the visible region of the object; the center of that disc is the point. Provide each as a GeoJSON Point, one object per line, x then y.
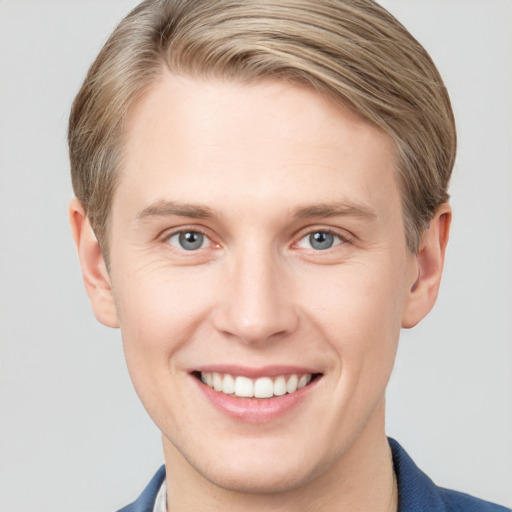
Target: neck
{"type": "Point", "coordinates": [360, 480]}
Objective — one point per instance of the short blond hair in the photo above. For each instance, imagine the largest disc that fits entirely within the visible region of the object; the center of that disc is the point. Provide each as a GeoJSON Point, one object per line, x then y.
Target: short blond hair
{"type": "Point", "coordinates": [352, 51]}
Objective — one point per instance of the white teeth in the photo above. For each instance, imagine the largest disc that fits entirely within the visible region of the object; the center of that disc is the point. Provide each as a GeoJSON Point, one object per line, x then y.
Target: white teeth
{"type": "Point", "coordinates": [280, 386]}
{"type": "Point", "coordinates": [244, 387]}
{"type": "Point", "coordinates": [291, 385]}
{"type": "Point", "coordinates": [263, 387]}
{"type": "Point", "coordinates": [228, 385]}
{"type": "Point", "coordinates": [217, 382]}
{"type": "Point", "coordinates": [303, 381]}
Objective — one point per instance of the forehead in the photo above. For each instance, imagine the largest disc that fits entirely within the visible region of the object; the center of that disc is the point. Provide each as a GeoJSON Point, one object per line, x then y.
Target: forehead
{"type": "Point", "coordinates": [213, 139]}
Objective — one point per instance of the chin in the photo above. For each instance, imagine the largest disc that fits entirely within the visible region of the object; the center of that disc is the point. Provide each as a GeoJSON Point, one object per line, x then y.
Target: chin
{"type": "Point", "coordinates": [254, 480]}
{"type": "Point", "coordinates": [257, 467]}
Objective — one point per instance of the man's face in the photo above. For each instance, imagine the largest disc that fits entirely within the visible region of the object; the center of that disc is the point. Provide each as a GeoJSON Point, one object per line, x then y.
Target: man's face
{"type": "Point", "coordinates": [257, 235]}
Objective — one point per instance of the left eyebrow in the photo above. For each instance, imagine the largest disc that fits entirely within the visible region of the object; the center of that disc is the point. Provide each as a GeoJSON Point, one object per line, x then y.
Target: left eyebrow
{"type": "Point", "coordinates": [168, 208]}
{"type": "Point", "coordinates": [345, 208]}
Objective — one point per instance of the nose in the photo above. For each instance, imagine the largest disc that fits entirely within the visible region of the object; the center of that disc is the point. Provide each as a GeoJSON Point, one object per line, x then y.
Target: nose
{"type": "Point", "coordinates": [256, 304]}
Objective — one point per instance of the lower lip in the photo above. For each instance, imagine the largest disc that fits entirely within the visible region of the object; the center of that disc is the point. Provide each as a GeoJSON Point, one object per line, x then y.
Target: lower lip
{"type": "Point", "coordinates": [255, 410]}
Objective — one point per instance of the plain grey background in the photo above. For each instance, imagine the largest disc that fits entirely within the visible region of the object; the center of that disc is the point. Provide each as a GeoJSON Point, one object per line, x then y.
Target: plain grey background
{"type": "Point", "coordinates": [73, 435]}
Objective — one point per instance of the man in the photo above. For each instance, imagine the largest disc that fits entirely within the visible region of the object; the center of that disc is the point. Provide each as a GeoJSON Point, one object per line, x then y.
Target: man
{"type": "Point", "coordinates": [261, 207]}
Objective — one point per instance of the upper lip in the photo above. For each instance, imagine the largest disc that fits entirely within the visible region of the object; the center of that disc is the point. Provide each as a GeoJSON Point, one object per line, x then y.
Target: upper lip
{"type": "Point", "coordinates": [255, 372]}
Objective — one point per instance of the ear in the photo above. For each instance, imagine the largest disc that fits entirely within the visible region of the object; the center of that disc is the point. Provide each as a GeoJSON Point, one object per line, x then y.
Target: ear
{"type": "Point", "coordinates": [427, 268]}
{"type": "Point", "coordinates": [94, 271]}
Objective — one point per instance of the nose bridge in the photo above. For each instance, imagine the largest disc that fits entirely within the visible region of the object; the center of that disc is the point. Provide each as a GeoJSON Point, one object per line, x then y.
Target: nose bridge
{"type": "Point", "coordinates": [256, 306]}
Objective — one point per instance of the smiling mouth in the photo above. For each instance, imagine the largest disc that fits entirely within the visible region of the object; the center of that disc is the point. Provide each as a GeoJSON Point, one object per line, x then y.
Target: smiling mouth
{"type": "Point", "coordinates": [262, 387]}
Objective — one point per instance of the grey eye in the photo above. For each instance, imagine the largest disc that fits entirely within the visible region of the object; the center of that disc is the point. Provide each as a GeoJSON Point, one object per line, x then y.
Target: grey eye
{"type": "Point", "coordinates": [320, 241]}
{"type": "Point", "coordinates": [188, 240]}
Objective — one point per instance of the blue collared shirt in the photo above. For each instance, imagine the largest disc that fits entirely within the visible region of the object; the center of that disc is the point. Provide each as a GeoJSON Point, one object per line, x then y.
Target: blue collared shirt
{"type": "Point", "coordinates": [416, 492]}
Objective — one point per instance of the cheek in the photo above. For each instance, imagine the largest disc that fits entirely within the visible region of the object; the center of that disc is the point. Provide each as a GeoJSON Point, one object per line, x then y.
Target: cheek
{"type": "Point", "coordinates": [158, 315]}
{"type": "Point", "coordinates": [360, 312]}
{"type": "Point", "coordinates": [157, 321]}
{"type": "Point", "coordinates": [154, 300]}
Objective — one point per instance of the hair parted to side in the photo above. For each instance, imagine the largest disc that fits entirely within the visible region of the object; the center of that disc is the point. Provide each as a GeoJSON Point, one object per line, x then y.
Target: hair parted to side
{"type": "Point", "coordinates": [352, 51]}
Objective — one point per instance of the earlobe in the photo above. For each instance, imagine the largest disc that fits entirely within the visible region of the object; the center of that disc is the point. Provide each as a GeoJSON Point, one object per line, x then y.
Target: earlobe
{"type": "Point", "coordinates": [94, 272]}
{"type": "Point", "coordinates": [429, 263]}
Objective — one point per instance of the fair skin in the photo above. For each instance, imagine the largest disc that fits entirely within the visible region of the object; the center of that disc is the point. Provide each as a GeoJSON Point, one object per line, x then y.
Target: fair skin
{"type": "Point", "coordinates": [295, 263]}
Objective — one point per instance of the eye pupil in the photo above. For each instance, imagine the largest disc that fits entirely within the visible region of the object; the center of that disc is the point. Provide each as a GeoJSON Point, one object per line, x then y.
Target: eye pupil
{"type": "Point", "coordinates": [321, 240]}
{"type": "Point", "coordinates": [191, 240]}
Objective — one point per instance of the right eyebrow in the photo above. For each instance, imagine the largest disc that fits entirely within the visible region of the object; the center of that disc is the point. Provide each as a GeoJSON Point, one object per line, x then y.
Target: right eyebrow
{"type": "Point", "coordinates": [165, 208]}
